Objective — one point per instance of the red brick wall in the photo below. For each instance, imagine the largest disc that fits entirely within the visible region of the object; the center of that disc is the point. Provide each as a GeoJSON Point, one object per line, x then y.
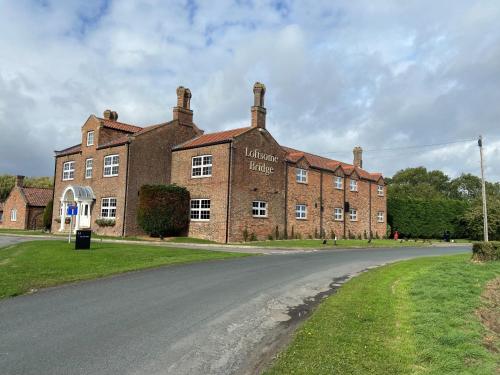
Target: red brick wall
{"type": "Point", "coordinates": [15, 200]}
{"type": "Point", "coordinates": [379, 203]}
{"type": "Point", "coordinates": [332, 198]}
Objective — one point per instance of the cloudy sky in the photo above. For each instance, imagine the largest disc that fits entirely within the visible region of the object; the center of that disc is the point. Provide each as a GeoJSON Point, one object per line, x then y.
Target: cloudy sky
{"type": "Point", "coordinates": [338, 74]}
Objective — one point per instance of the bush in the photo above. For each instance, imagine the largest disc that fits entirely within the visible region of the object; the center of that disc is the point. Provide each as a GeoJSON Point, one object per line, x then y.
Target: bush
{"type": "Point", "coordinates": [253, 237]}
{"type": "Point", "coordinates": [245, 234]}
{"type": "Point", "coordinates": [486, 251]}
{"type": "Point", "coordinates": [47, 215]}
{"type": "Point", "coordinates": [163, 210]}
{"type": "Point", "coordinates": [105, 222]}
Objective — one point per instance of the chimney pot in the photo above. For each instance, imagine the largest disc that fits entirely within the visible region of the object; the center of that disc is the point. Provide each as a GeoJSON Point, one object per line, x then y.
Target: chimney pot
{"type": "Point", "coordinates": [19, 181]}
{"type": "Point", "coordinates": [110, 115]}
{"type": "Point", "coordinates": [358, 156]}
{"type": "Point", "coordinates": [258, 110]}
{"type": "Point", "coordinates": [182, 111]}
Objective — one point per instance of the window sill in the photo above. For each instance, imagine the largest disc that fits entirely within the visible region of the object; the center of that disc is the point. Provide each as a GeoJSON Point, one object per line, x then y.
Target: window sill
{"type": "Point", "coordinates": [201, 176]}
{"type": "Point", "coordinates": [111, 175]}
{"type": "Point", "coordinates": [200, 220]}
{"type": "Point", "coordinates": [68, 179]}
{"type": "Point", "coordinates": [339, 220]}
{"type": "Point", "coordinates": [260, 217]}
{"type": "Point", "coordinates": [301, 182]}
{"type": "Point", "coordinates": [301, 218]}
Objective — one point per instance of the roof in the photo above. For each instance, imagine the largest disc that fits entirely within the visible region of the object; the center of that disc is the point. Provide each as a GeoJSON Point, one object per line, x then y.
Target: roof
{"type": "Point", "coordinates": [70, 150]}
{"type": "Point", "coordinates": [212, 138]}
{"type": "Point", "coordinates": [38, 197]}
{"type": "Point", "coordinates": [321, 162]}
{"type": "Point", "coordinates": [119, 125]}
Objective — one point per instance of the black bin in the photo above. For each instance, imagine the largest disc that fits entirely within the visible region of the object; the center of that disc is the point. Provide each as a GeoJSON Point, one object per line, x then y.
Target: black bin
{"type": "Point", "coordinates": [83, 239]}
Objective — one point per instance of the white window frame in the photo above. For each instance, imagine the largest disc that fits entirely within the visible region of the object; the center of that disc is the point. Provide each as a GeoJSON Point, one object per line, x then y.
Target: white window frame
{"type": "Point", "coordinates": [380, 217]}
{"type": "Point", "coordinates": [90, 138]}
{"type": "Point", "coordinates": [380, 190]}
{"type": "Point", "coordinates": [301, 175]}
{"type": "Point", "coordinates": [353, 214]}
{"type": "Point", "coordinates": [88, 169]}
{"type": "Point", "coordinates": [111, 169]}
{"type": "Point", "coordinates": [1, 216]}
{"type": "Point", "coordinates": [13, 214]}
{"type": "Point", "coordinates": [353, 185]}
{"type": "Point", "coordinates": [301, 211]}
{"type": "Point", "coordinates": [259, 209]}
{"type": "Point", "coordinates": [203, 165]}
{"type": "Point", "coordinates": [199, 209]}
{"type": "Point", "coordinates": [108, 204]}
{"type": "Point", "coordinates": [338, 214]}
{"type": "Point", "coordinates": [69, 172]}
{"type": "Point", "coordinates": [339, 182]}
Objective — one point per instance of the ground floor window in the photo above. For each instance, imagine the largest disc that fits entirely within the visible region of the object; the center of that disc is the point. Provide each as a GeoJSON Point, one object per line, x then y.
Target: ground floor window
{"type": "Point", "coordinates": [13, 215]}
{"type": "Point", "coordinates": [200, 209]}
{"type": "Point", "coordinates": [300, 211]}
{"type": "Point", "coordinates": [108, 208]}
{"type": "Point", "coordinates": [338, 214]}
{"type": "Point", "coordinates": [353, 214]}
{"type": "Point", "coordinates": [259, 209]}
{"type": "Point", "coordinates": [380, 216]}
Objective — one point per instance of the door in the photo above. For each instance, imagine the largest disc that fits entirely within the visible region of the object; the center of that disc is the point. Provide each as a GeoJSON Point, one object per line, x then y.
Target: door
{"type": "Point", "coordinates": [85, 215]}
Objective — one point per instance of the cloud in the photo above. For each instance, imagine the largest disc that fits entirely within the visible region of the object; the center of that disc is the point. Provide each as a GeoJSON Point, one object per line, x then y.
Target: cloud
{"type": "Point", "coordinates": [380, 75]}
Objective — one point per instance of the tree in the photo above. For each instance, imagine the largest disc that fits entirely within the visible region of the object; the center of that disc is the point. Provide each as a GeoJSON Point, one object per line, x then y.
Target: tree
{"type": "Point", "coordinates": [7, 182]}
{"type": "Point", "coordinates": [466, 187]}
{"type": "Point", "coordinates": [163, 209]}
{"type": "Point", "coordinates": [472, 220]}
{"type": "Point", "coordinates": [47, 215]}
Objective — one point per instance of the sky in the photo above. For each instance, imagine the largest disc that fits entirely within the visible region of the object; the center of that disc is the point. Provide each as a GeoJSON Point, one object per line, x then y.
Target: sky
{"type": "Point", "coordinates": [378, 74]}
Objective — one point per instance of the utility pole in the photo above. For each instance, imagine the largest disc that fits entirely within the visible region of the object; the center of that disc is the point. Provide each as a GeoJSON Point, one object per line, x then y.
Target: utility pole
{"type": "Point", "coordinates": [485, 211]}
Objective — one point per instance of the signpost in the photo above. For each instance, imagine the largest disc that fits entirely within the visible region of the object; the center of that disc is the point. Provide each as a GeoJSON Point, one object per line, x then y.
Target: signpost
{"type": "Point", "coordinates": [71, 211]}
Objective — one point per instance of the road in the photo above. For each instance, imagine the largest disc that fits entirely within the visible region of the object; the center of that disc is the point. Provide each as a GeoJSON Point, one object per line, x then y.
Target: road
{"type": "Point", "coordinates": [216, 317]}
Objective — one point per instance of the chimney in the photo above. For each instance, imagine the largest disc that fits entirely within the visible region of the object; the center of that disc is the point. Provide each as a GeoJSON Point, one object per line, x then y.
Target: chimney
{"type": "Point", "coordinates": [358, 157]}
{"type": "Point", "coordinates": [110, 115]}
{"type": "Point", "coordinates": [258, 110]}
{"type": "Point", "coordinates": [182, 111]}
{"type": "Point", "coordinates": [19, 181]}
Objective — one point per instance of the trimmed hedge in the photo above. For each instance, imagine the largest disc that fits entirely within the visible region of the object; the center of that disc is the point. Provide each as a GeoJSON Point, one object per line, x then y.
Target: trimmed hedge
{"type": "Point", "coordinates": [163, 210]}
{"type": "Point", "coordinates": [418, 218]}
{"type": "Point", "coordinates": [486, 251]}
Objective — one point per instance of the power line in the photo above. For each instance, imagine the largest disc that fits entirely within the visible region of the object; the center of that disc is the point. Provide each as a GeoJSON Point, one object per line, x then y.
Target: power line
{"type": "Point", "coordinates": [407, 147]}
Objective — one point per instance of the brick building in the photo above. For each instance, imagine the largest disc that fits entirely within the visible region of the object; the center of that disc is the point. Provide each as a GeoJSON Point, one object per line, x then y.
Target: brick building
{"type": "Point", "coordinates": [23, 208]}
{"type": "Point", "coordinates": [242, 181]}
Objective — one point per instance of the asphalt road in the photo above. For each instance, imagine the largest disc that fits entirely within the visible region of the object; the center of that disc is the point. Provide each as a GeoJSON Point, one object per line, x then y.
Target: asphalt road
{"type": "Point", "coordinates": [204, 318]}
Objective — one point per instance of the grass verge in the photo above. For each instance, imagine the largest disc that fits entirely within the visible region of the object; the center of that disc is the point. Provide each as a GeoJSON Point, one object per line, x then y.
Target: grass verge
{"type": "Point", "coordinates": [318, 244]}
{"type": "Point", "coordinates": [38, 264]}
{"type": "Point", "coordinates": [412, 317]}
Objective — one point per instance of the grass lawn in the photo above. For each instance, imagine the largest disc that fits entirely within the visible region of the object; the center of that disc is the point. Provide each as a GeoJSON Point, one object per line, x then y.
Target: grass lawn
{"type": "Point", "coordinates": [318, 244]}
{"type": "Point", "coordinates": [38, 264]}
{"type": "Point", "coordinates": [411, 317]}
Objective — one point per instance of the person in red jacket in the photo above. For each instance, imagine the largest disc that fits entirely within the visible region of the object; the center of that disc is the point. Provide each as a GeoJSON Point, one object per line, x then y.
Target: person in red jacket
{"type": "Point", "coordinates": [396, 235]}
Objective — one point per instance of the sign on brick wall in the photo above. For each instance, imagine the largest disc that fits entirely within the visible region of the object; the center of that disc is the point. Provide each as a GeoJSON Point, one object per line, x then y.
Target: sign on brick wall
{"type": "Point", "coordinates": [262, 165]}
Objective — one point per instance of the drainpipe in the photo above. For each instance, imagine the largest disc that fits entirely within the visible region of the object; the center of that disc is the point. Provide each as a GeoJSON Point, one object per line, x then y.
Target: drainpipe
{"type": "Point", "coordinates": [321, 204]}
{"type": "Point", "coordinates": [54, 192]}
{"type": "Point", "coordinates": [343, 208]}
{"type": "Point", "coordinates": [230, 164]}
{"type": "Point", "coordinates": [370, 208]}
{"type": "Point", "coordinates": [286, 197]}
{"type": "Point", "coordinates": [126, 190]}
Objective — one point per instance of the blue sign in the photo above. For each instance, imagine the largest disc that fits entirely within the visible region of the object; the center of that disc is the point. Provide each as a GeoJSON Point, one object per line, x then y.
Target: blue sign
{"type": "Point", "coordinates": [72, 210]}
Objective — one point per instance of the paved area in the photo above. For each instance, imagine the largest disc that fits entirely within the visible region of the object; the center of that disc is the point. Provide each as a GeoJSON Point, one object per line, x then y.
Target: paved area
{"type": "Point", "coordinates": [11, 240]}
{"type": "Point", "coordinates": [204, 318]}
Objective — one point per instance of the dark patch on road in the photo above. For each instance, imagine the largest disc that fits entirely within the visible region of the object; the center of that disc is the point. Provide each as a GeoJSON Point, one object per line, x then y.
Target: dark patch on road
{"type": "Point", "coordinates": [264, 355]}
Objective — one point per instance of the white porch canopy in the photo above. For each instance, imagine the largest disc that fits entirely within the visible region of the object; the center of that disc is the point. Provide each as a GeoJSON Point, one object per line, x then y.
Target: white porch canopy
{"type": "Point", "coordinates": [83, 197]}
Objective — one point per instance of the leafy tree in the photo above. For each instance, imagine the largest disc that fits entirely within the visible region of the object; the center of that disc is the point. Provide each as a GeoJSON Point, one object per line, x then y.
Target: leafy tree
{"type": "Point", "coordinates": [163, 209]}
{"type": "Point", "coordinates": [47, 215]}
{"type": "Point", "coordinates": [472, 220]}
{"type": "Point", "coordinates": [467, 187]}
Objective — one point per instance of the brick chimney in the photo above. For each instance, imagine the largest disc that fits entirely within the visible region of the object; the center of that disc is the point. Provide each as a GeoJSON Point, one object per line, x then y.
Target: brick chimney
{"type": "Point", "coordinates": [358, 156]}
{"type": "Point", "coordinates": [258, 110]}
{"type": "Point", "coordinates": [182, 111]}
{"type": "Point", "coordinates": [19, 181]}
{"type": "Point", "coordinates": [110, 115]}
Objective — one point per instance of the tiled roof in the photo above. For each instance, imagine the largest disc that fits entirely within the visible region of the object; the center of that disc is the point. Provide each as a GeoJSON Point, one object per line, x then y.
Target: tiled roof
{"type": "Point", "coordinates": [38, 197]}
{"type": "Point", "coordinates": [212, 138]}
{"type": "Point", "coordinates": [70, 150]}
{"type": "Point", "coordinates": [320, 162]}
{"type": "Point", "coordinates": [120, 126]}
{"type": "Point", "coordinates": [124, 138]}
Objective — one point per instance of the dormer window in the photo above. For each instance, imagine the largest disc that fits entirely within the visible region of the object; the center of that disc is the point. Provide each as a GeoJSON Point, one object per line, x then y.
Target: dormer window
{"type": "Point", "coordinates": [353, 185]}
{"type": "Point", "coordinates": [301, 175]}
{"type": "Point", "coordinates": [90, 138]}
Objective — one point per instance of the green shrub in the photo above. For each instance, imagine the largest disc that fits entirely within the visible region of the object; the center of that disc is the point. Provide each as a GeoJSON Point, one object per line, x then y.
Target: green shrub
{"type": "Point", "coordinates": [163, 210]}
{"type": "Point", "coordinates": [270, 237]}
{"type": "Point", "coordinates": [253, 237]}
{"type": "Point", "coordinates": [105, 222]}
{"type": "Point", "coordinates": [47, 215]}
{"type": "Point", "coordinates": [486, 251]}
{"type": "Point", "coordinates": [245, 234]}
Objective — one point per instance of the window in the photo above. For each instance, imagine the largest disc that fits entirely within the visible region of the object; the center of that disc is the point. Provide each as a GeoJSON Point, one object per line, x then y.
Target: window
{"type": "Point", "coordinates": [88, 168]}
{"type": "Point", "coordinates": [380, 217]}
{"type": "Point", "coordinates": [301, 211]}
{"type": "Point", "coordinates": [200, 209]}
{"type": "Point", "coordinates": [301, 175]}
{"type": "Point", "coordinates": [259, 209]}
{"type": "Point", "coordinates": [90, 138]}
{"type": "Point", "coordinates": [380, 190]}
{"type": "Point", "coordinates": [68, 170]}
{"type": "Point", "coordinates": [111, 163]}
{"type": "Point", "coordinates": [108, 208]}
{"type": "Point", "coordinates": [353, 185]}
{"type": "Point", "coordinates": [1, 216]}
{"type": "Point", "coordinates": [13, 215]}
{"type": "Point", "coordinates": [353, 214]}
{"type": "Point", "coordinates": [338, 214]}
{"type": "Point", "coordinates": [201, 166]}
{"type": "Point", "coordinates": [338, 183]}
